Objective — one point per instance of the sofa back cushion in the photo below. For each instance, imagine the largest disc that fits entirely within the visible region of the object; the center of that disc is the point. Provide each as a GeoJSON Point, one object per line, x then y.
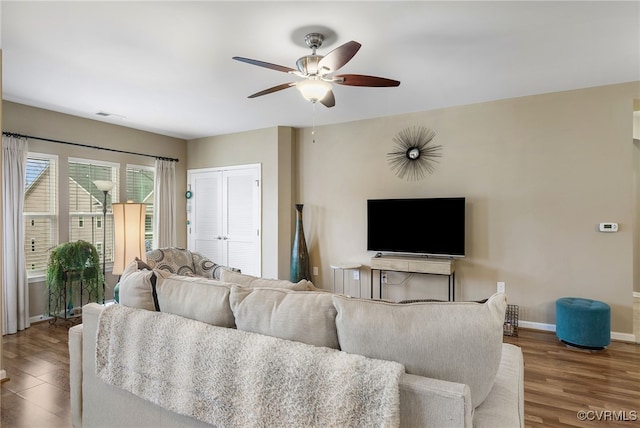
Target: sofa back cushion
{"type": "Point", "coordinates": [197, 298]}
{"type": "Point", "coordinates": [303, 316]}
{"type": "Point", "coordinates": [454, 341]}
{"type": "Point", "coordinates": [254, 281]}
{"type": "Point", "coordinates": [136, 289]}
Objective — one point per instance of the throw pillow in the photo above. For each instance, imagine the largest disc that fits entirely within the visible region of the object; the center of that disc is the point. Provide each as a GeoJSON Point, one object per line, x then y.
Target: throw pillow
{"type": "Point", "coordinates": [454, 341]}
{"type": "Point", "coordinates": [174, 260]}
{"type": "Point", "coordinates": [197, 298]}
{"type": "Point", "coordinates": [307, 317]}
{"type": "Point", "coordinates": [142, 264]}
{"type": "Point", "coordinates": [207, 268]}
{"type": "Point", "coordinates": [136, 289]}
{"type": "Point", "coordinates": [254, 281]}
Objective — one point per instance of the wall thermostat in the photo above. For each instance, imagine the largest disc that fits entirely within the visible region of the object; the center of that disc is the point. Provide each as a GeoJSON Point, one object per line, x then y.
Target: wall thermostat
{"type": "Point", "coordinates": [608, 227]}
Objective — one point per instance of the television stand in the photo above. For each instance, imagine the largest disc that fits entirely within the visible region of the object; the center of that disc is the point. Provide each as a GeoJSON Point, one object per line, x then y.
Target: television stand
{"type": "Point", "coordinates": [417, 264]}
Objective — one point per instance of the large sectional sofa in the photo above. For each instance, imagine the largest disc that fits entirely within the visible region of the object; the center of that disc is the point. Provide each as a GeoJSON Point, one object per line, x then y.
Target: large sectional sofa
{"type": "Point", "coordinates": [243, 351]}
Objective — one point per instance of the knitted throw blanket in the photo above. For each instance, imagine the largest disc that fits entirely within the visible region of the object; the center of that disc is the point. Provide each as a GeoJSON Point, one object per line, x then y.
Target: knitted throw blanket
{"type": "Point", "coordinates": [233, 378]}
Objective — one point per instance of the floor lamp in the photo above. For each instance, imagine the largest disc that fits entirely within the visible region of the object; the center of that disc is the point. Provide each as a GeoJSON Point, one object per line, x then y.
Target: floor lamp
{"type": "Point", "coordinates": [128, 233]}
{"type": "Point", "coordinates": [105, 187]}
{"type": "Point", "coordinates": [128, 237]}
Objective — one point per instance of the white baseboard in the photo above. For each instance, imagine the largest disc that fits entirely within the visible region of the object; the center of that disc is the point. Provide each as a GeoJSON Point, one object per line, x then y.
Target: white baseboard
{"type": "Point", "coordinates": [38, 318]}
{"type": "Point", "coordinates": [624, 337]}
{"type": "Point", "coordinates": [536, 325]}
{"type": "Point", "coordinates": [44, 317]}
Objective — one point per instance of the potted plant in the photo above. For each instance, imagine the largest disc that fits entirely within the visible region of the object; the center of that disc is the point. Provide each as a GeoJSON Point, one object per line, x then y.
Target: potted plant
{"type": "Point", "coordinates": [72, 265]}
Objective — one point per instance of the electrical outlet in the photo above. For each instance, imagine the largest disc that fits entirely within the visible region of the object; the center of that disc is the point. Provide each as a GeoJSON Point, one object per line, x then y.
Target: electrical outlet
{"type": "Point", "coordinates": [383, 277]}
{"type": "Point", "coordinates": [501, 287]}
{"type": "Point", "coordinates": [315, 271]}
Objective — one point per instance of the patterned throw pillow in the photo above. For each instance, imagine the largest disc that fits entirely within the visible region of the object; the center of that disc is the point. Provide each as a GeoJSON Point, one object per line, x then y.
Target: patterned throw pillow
{"type": "Point", "coordinates": [208, 269]}
{"type": "Point", "coordinates": [173, 260]}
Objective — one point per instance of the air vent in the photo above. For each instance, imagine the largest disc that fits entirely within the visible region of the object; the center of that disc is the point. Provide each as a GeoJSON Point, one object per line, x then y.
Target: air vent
{"type": "Point", "coordinates": [107, 114]}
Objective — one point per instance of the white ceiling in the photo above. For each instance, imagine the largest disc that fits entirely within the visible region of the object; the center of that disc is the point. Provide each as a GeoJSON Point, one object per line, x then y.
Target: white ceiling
{"type": "Point", "coordinates": [166, 67]}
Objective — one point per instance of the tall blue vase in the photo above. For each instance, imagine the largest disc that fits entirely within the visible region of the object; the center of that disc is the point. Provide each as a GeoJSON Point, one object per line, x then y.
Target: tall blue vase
{"type": "Point", "coordinates": [299, 254]}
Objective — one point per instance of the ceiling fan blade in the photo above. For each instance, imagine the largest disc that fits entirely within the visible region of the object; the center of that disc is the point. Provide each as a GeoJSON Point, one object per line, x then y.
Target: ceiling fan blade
{"type": "Point", "coordinates": [271, 90]}
{"type": "Point", "coordinates": [329, 100]}
{"type": "Point", "coordinates": [362, 80]}
{"type": "Point", "coordinates": [339, 56]}
{"type": "Point", "coordinates": [264, 64]}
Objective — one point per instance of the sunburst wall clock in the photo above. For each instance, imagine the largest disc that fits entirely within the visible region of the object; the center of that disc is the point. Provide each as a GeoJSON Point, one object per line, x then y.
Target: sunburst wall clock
{"type": "Point", "coordinates": [414, 153]}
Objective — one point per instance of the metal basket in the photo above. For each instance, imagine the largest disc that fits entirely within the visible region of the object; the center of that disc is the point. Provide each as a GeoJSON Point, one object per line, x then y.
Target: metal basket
{"type": "Point", "coordinates": [510, 327]}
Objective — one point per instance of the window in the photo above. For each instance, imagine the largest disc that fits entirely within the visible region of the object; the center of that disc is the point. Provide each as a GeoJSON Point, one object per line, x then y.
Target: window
{"type": "Point", "coordinates": [140, 182]}
{"type": "Point", "coordinates": [85, 218]}
{"type": "Point", "coordinates": [87, 202]}
{"type": "Point", "coordinates": [40, 211]}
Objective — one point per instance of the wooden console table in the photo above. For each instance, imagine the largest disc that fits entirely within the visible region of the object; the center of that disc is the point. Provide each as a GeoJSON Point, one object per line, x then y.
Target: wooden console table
{"type": "Point", "coordinates": [426, 265]}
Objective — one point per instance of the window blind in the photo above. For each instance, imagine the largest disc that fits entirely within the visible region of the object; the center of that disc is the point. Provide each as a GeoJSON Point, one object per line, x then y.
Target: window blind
{"type": "Point", "coordinates": [40, 211]}
{"type": "Point", "coordinates": [86, 219]}
{"type": "Point", "coordinates": [140, 182]}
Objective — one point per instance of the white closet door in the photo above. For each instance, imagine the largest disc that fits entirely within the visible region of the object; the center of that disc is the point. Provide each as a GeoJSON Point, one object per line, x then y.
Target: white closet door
{"type": "Point", "coordinates": [242, 219]}
{"type": "Point", "coordinates": [224, 215]}
{"type": "Point", "coordinates": [205, 215]}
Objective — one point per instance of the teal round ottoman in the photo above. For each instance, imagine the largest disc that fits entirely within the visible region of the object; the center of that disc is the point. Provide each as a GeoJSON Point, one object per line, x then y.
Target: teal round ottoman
{"type": "Point", "coordinates": [583, 323]}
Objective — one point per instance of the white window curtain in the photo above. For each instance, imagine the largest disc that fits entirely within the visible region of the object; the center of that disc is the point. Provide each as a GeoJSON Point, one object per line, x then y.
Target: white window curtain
{"type": "Point", "coordinates": [14, 272]}
{"type": "Point", "coordinates": [164, 204]}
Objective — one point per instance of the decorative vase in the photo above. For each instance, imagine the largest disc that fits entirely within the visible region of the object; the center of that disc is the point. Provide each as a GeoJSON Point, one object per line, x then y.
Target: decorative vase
{"type": "Point", "coordinates": [299, 254]}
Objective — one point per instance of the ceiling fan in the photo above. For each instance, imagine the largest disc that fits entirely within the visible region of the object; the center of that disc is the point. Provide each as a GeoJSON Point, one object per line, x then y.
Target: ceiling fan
{"type": "Point", "coordinates": [316, 70]}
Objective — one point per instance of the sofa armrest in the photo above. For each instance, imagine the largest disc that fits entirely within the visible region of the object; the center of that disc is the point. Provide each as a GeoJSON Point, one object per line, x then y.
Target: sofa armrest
{"type": "Point", "coordinates": [504, 406]}
{"type": "Point", "coordinates": [75, 374]}
{"type": "Point", "coordinates": [432, 402]}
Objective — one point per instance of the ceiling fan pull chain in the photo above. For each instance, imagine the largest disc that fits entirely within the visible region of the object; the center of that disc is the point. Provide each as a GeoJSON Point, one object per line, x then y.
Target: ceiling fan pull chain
{"type": "Point", "coordinates": [313, 118]}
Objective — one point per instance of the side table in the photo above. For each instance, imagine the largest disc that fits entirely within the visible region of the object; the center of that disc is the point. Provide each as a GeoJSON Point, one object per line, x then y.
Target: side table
{"type": "Point", "coordinates": [344, 267]}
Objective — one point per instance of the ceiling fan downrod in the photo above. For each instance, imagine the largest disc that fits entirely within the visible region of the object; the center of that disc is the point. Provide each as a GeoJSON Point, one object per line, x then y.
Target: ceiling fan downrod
{"type": "Point", "coordinates": [308, 64]}
{"type": "Point", "coordinates": [314, 41]}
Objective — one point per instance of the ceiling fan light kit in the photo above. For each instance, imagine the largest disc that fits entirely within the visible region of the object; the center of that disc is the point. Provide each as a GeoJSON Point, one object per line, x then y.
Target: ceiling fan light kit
{"type": "Point", "coordinates": [316, 69]}
{"type": "Point", "coordinates": [313, 89]}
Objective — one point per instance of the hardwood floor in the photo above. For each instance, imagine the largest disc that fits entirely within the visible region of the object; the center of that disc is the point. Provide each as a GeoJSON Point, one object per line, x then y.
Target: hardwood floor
{"type": "Point", "coordinates": [37, 365]}
{"type": "Point", "coordinates": [559, 382]}
{"type": "Point", "coordinates": [563, 385]}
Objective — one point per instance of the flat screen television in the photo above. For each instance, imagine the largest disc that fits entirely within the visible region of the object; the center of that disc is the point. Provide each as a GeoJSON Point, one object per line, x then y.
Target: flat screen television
{"type": "Point", "coordinates": [427, 226]}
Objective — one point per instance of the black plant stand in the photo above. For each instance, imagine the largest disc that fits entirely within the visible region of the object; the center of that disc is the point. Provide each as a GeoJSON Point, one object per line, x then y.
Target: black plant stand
{"type": "Point", "coordinates": [60, 299]}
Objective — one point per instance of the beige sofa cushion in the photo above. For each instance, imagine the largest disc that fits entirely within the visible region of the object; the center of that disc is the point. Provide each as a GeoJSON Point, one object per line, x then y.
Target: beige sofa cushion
{"type": "Point", "coordinates": [254, 281]}
{"type": "Point", "coordinates": [307, 317]}
{"type": "Point", "coordinates": [135, 287]}
{"type": "Point", "coordinates": [197, 298]}
{"type": "Point", "coordinates": [453, 341]}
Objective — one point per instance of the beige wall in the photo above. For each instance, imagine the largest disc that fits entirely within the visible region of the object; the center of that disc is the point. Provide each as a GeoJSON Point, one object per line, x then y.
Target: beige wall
{"type": "Point", "coordinates": [539, 173]}
{"type": "Point", "coordinates": [47, 124]}
{"type": "Point", "coordinates": [272, 148]}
